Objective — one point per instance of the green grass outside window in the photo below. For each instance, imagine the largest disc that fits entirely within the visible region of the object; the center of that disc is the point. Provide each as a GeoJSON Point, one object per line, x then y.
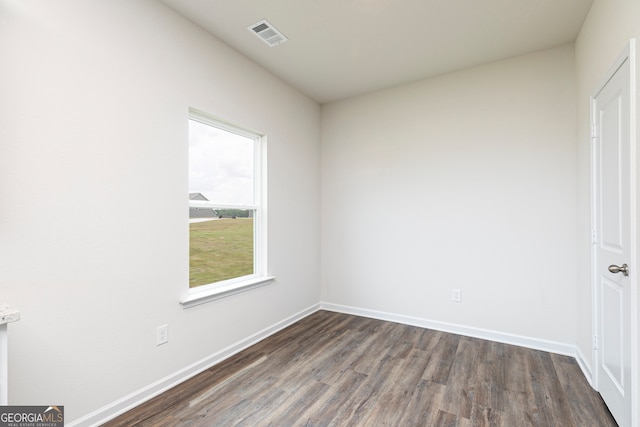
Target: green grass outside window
{"type": "Point", "coordinates": [220, 250]}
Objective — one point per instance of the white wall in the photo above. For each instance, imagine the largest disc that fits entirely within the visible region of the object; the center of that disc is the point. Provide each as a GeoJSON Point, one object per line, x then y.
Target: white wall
{"type": "Point", "coordinates": [605, 33]}
{"type": "Point", "coordinates": [94, 99]}
{"type": "Point", "coordinates": [467, 181]}
{"type": "Point", "coordinates": [461, 181]}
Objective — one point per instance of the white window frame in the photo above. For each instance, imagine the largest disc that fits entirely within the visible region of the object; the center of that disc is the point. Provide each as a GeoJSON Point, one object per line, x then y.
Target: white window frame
{"type": "Point", "coordinates": [213, 291]}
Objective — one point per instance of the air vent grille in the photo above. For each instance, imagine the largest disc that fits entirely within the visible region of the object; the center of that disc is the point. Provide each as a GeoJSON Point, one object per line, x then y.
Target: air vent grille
{"type": "Point", "coordinates": [267, 33]}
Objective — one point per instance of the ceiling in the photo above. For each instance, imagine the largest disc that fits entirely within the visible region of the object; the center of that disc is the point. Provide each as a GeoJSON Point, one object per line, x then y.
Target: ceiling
{"type": "Point", "coordinates": [342, 48]}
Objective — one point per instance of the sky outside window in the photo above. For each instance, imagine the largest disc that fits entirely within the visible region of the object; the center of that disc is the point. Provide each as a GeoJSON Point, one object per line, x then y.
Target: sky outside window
{"type": "Point", "coordinates": [220, 164]}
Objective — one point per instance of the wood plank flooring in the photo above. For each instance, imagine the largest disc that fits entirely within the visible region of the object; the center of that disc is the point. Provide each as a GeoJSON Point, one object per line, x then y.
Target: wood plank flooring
{"type": "Point", "coordinates": [333, 369]}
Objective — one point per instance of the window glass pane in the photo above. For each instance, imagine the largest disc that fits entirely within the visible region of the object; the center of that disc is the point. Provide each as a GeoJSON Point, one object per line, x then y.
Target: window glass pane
{"type": "Point", "coordinates": [220, 165]}
{"type": "Point", "coordinates": [221, 185]}
{"type": "Point", "coordinates": [221, 248]}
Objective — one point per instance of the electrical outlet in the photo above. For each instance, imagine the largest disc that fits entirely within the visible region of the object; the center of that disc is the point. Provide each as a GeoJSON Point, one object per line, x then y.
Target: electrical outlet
{"type": "Point", "coordinates": [162, 335]}
{"type": "Point", "coordinates": [456, 295]}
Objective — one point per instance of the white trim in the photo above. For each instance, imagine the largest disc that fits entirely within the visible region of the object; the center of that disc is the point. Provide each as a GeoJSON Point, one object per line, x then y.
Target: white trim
{"type": "Point", "coordinates": [138, 397]}
{"type": "Point", "coordinates": [469, 331]}
{"type": "Point", "coordinates": [207, 204]}
{"type": "Point", "coordinates": [220, 290]}
{"type": "Point", "coordinates": [635, 350]}
{"type": "Point", "coordinates": [635, 345]}
{"type": "Point", "coordinates": [215, 121]}
{"type": "Point", "coordinates": [633, 154]}
{"type": "Point", "coordinates": [594, 240]}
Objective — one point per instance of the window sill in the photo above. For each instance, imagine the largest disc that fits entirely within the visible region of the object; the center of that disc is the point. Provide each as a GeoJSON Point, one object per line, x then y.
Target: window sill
{"type": "Point", "coordinates": [196, 298]}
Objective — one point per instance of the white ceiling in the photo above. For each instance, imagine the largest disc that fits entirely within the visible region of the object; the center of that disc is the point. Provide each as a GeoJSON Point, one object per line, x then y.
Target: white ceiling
{"type": "Point", "coordinates": [341, 48]}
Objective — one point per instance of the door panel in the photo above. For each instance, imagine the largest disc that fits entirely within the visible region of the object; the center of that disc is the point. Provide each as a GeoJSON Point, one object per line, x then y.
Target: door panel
{"type": "Point", "coordinates": [612, 344]}
{"type": "Point", "coordinates": [611, 110]}
{"type": "Point", "coordinates": [611, 157]}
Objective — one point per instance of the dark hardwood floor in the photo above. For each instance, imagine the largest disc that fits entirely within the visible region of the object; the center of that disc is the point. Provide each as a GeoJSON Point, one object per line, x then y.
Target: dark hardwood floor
{"type": "Point", "coordinates": [332, 369]}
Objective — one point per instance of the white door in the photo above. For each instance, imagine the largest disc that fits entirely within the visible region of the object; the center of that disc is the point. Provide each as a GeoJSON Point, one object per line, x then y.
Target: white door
{"type": "Point", "coordinates": [614, 270]}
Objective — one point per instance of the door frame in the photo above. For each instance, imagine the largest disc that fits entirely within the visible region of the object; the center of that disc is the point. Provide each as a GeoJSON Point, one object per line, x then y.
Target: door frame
{"type": "Point", "coordinates": [627, 54]}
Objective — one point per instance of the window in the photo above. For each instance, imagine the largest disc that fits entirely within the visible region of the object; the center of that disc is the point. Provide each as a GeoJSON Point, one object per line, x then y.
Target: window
{"type": "Point", "coordinates": [226, 209]}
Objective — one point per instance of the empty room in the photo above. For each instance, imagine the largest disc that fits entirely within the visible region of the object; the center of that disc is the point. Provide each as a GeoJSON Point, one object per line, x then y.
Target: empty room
{"type": "Point", "coordinates": [305, 212]}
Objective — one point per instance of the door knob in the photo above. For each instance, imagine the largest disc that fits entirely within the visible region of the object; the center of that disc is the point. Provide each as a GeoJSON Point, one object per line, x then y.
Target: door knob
{"type": "Point", "coordinates": [615, 269]}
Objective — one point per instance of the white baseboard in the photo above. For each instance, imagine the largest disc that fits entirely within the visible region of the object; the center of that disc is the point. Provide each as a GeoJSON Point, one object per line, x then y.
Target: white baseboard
{"type": "Point", "coordinates": [519, 340]}
{"type": "Point", "coordinates": [138, 397]}
{"type": "Point", "coordinates": [585, 366]}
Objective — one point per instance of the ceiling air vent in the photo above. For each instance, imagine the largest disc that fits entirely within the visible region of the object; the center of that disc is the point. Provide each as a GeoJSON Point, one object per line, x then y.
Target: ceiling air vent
{"type": "Point", "coordinates": [267, 33]}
